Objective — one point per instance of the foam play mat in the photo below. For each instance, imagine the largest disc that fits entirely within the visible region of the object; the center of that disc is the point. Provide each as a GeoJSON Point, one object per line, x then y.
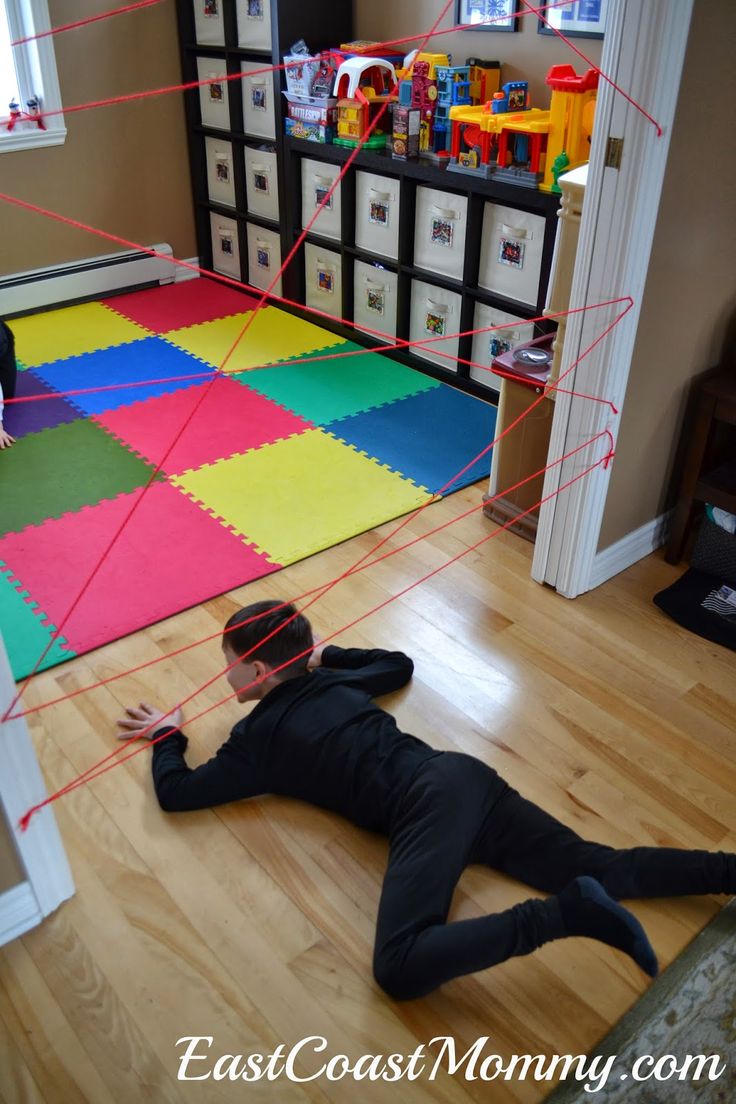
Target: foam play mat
{"type": "Point", "coordinates": [210, 479]}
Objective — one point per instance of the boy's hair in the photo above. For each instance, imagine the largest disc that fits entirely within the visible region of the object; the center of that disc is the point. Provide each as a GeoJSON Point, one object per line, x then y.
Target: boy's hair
{"type": "Point", "coordinates": [265, 618]}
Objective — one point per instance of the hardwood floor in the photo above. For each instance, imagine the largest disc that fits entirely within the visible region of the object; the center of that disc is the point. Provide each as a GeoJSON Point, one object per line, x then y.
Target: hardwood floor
{"type": "Point", "coordinates": [254, 923]}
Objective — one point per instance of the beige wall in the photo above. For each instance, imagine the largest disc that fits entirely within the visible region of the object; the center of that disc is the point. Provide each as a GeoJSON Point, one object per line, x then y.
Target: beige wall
{"type": "Point", "coordinates": [691, 286]}
{"type": "Point", "coordinates": [11, 872]}
{"type": "Point", "coordinates": [525, 55]}
{"type": "Point", "coordinates": [125, 168]}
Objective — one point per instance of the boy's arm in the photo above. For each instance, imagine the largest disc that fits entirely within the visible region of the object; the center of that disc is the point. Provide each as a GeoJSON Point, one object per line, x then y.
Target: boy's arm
{"type": "Point", "coordinates": [225, 777]}
{"type": "Point", "coordinates": [375, 670]}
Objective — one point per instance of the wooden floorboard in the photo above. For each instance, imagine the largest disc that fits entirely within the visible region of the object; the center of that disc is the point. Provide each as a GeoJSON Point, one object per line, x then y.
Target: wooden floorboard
{"type": "Point", "coordinates": [253, 923]}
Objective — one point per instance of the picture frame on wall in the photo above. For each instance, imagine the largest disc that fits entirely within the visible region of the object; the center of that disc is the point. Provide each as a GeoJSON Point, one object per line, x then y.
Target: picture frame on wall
{"type": "Point", "coordinates": [578, 19]}
{"type": "Point", "coordinates": [488, 15]}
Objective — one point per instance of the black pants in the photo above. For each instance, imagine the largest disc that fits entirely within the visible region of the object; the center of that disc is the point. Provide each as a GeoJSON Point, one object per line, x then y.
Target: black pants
{"type": "Point", "coordinates": [458, 811]}
{"type": "Point", "coordinates": [8, 369]}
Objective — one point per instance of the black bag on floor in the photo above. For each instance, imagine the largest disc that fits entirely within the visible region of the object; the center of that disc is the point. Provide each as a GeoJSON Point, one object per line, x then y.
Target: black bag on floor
{"type": "Point", "coordinates": [8, 367]}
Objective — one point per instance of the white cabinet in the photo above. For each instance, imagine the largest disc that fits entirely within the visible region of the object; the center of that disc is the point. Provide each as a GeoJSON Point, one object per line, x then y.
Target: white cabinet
{"type": "Point", "coordinates": [264, 257]}
{"type": "Point", "coordinates": [209, 23]}
{"type": "Point", "coordinates": [435, 312]}
{"type": "Point", "coordinates": [254, 24]}
{"type": "Point", "coordinates": [375, 304]}
{"type": "Point", "coordinates": [491, 344]}
{"type": "Point", "coordinates": [261, 183]}
{"type": "Point", "coordinates": [511, 253]}
{"type": "Point", "coordinates": [259, 119]}
{"type": "Point", "coordinates": [323, 279]}
{"type": "Point", "coordinates": [220, 178]}
{"type": "Point", "coordinates": [214, 97]}
{"type": "Point", "coordinates": [439, 232]}
{"type": "Point", "coordinates": [377, 211]}
{"type": "Point", "coordinates": [317, 179]}
{"type": "Point", "coordinates": [225, 246]}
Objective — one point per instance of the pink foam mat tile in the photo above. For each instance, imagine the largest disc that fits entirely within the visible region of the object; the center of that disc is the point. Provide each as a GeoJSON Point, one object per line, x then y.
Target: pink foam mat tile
{"type": "Point", "coordinates": [231, 419]}
{"type": "Point", "coordinates": [184, 304]}
{"type": "Point", "coordinates": [170, 556]}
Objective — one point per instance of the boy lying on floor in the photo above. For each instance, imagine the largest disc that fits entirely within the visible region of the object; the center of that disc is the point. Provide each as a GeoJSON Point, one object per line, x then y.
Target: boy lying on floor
{"type": "Point", "coordinates": [317, 735]}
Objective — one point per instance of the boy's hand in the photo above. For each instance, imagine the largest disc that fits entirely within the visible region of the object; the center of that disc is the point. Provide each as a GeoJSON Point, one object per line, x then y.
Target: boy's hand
{"type": "Point", "coordinates": [146, 717]}
{"type": "Point", "coordinates": [315, 660]}
{"type": "Point", "coordinates": [5, 439]}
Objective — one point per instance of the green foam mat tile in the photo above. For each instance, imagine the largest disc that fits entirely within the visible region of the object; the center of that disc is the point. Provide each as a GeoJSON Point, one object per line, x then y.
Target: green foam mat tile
{"type": "Point", "coordinates": [25, 633]}
{"type": "Point", "coordinates": [323, 391]}
{"type": "Point", "coordinates": [59, 470]}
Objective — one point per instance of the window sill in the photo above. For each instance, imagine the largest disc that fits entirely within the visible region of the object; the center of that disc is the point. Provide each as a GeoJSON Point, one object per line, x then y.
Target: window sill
{"type": "Point", "coordinates": [32, 139]}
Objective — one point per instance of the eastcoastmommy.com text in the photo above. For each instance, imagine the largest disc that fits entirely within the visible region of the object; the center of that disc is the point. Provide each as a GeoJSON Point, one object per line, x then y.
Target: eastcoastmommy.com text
{"type": "Point", "coordinates": [309, 1060]}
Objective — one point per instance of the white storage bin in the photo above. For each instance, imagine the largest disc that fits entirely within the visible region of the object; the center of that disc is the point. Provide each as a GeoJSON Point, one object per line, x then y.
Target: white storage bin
{"type": "Point", "coordinates": [487, 346]}
{"type": "Point", "coordinates": [254, 23]}
{"type": "Point", "coordinates": [258, 101]}
{"type": "Point", "coordinates": [375, 299]}
{"type": "Point", "coordinates": [225, 246]}
{"type": "Point", "coordinates": [317, 179]}
{"type": "Point", "coordinates": [439, 232]}
{"type": "Point", "coordinates": [323, 280]}
{"type": "Point", "coordinates": [209, 26]}
{"type": "Point", "coordinates": [214, 99]}
{"type": "Point", "coordinates": [435, 312]}
{"type": "Point", "coordinates": [220, 178]}
{"type": "Point", "coordinates": [377, 206]}
{"type": "Point", "coordinates": [262, 183]}
{"type": "Point", "coordinates": [264, 257]}
{"type": "Point", "coordinates": [511, 254]}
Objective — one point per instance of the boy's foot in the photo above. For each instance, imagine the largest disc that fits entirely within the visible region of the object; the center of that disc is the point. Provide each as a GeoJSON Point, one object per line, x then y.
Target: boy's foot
{"type": "Point", "coordinates": [587, 909]}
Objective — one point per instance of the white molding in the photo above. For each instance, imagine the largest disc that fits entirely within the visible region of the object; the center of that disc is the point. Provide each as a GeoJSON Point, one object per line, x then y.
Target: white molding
{"type": "Point", "coordinates": [84, 279]}
{"type": "Point", "coordinates": [181, 274]}
{"type": "Point", "coordinates": [32, 139]}
{"type": "Point", "coordinates": [630, 549]}
{"type": "Point", "coordinates": [19, 912]}
{"type": "Point", "coordinates": [644, 50]}
{"type": "Point", "coordinates": [35, 64]}
{"type": "Point", "coordinates": [21, 785]}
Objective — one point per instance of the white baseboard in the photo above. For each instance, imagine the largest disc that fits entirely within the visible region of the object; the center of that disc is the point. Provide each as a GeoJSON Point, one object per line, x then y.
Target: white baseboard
{"type": "Point", "coordinates": [631, 548]}
{"type": "Point", "coordinates": [19, 912]}
{"type": "Point", "coordinates": [181, 274]}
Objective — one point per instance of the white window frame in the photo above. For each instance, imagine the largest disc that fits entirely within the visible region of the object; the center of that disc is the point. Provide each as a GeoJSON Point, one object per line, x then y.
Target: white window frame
{"type": "Point", "coordinates": [36, 66]}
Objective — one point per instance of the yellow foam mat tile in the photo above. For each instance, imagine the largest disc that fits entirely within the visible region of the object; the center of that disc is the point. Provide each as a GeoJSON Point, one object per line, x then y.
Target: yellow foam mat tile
{"type": "Point", "coordinates": [71, 331]}
{"type": "Point", "coordinates": [273, 335]}
{"type": "Point", "coordinates": [301, 494]}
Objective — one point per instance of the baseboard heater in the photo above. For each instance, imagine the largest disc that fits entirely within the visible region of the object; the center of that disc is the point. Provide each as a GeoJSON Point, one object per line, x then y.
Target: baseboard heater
{"type": "Point", "coordinates": [39, 288]}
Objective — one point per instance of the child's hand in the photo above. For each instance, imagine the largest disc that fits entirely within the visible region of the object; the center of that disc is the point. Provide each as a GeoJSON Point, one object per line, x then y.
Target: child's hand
{"type": "Point", "coordinates": [145, 717]}
{"type": "Point", "coordinates": [315, 659]}
{"type": "Point", "coordinates": [5, 439]}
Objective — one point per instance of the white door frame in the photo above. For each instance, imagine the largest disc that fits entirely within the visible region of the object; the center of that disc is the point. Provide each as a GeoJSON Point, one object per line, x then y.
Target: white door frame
{"type": "Point", "coordinates": [40, 850]}
{"type": "Point", "coordinates": [643, 52]}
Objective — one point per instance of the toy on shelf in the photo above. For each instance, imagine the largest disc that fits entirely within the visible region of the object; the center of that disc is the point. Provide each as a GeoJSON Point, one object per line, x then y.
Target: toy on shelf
{"type": "Point", "coordinates": [362, 86]}
{"type": "Point", "coordinates": [32, 115]}
{"type": "Point", "coordinates": [485, 79]}
{"type": "Point", "coordinates": [312, 111]}
{"type": "Point", "coordinates": [407, 124]}
{"type": "Point", "coordinates": [508, 139]}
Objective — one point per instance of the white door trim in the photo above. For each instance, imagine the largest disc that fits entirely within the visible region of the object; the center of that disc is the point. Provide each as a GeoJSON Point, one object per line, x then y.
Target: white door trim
{"type": "Point", "coordinates": [40, 849]}
{"type": "Point", "coordinates": [643, 52]}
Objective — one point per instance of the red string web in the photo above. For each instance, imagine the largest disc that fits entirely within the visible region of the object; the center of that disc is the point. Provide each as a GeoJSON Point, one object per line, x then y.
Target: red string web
{"type": "Point", "coordinates": [372, 557]}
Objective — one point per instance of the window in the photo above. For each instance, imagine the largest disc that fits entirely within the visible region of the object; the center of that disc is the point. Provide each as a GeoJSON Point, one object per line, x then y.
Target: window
{"type": "Point", "coordinates": [28, 81]}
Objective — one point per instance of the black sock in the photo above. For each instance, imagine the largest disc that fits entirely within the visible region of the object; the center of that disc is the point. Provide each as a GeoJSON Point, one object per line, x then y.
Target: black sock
{"type": "Point", "coordinates": [586, 909]}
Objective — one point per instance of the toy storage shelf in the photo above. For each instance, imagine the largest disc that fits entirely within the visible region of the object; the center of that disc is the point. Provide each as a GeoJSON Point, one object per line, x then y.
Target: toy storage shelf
{"type": "Point", "coordinates": [472, 304]}
{"type": "Point", "coordinates": [401, 276]}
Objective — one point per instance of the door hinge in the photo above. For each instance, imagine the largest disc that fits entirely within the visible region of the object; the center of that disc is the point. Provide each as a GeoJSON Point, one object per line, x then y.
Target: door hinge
{"type": "Point", "coordinates": [614, 150]}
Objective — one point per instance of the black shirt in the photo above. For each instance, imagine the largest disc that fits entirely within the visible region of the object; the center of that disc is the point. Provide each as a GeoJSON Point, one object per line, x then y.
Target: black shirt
{"type": "Point", "coordinates": [318, 737]}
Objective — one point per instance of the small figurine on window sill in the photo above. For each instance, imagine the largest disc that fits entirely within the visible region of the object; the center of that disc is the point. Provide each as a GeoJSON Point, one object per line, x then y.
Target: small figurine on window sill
{"type": "Point", "coordinates": [31, 115]}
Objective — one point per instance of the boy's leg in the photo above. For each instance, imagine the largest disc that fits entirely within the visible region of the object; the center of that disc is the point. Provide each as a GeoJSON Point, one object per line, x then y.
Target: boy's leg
{"type": "Point", "coordinates": [530, 845]}
{"type": "Point", "coordinates": [416, 950]}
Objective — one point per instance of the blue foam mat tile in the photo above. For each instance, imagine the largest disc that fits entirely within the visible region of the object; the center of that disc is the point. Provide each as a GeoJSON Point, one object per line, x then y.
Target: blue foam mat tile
{"type": "Point", "coordinates": [150, 358]}
{"type": "Point", "coordinates": [426, 437]}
